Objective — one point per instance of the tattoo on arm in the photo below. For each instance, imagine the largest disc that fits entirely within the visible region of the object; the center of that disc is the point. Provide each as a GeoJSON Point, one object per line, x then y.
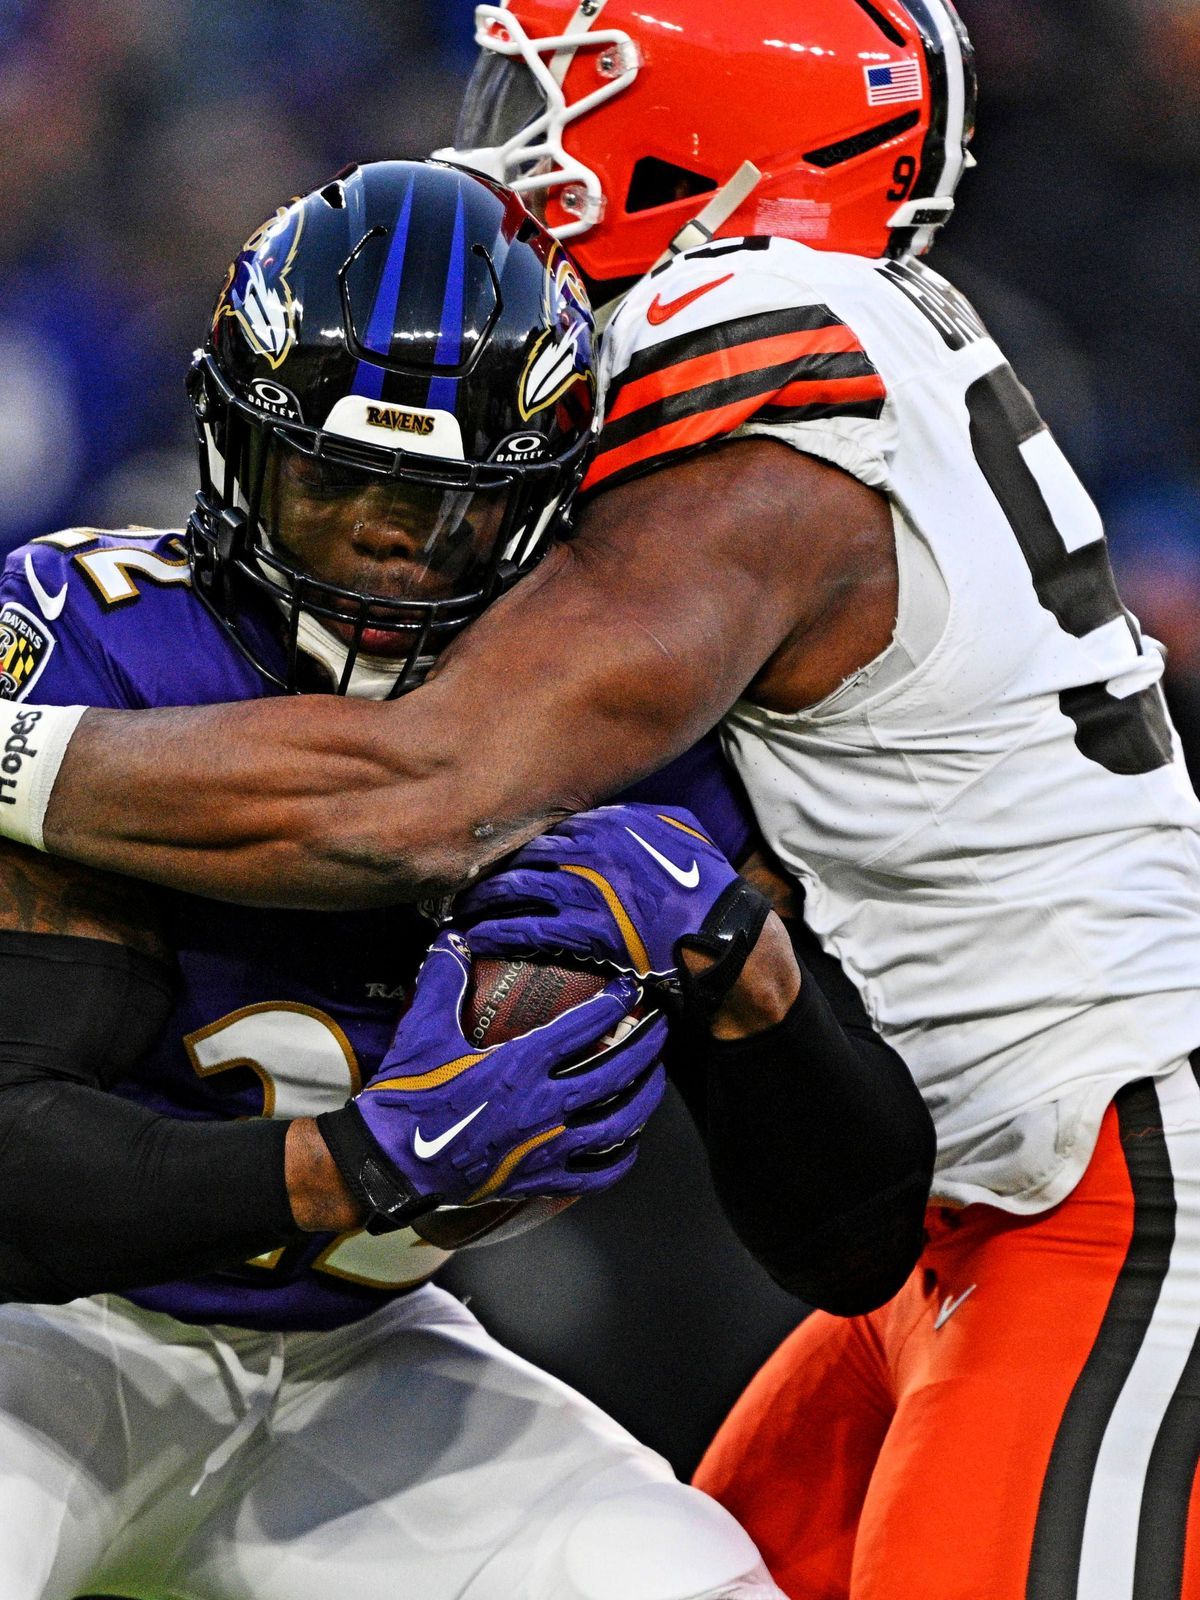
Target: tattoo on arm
{"type": "Point", "coordinates": [39, 894]}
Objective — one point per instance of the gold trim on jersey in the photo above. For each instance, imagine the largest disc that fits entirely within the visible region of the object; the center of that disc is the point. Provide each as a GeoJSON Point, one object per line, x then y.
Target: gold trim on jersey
{"type": "Point", "coordinates": [261, 1071]}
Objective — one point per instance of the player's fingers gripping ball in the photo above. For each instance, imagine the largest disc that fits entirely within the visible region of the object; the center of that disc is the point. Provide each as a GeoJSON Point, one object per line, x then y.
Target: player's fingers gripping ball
{"type": "Point", "coordinates": [627, 887]}
{"type": "Point", "coordinates": [556, 1110]}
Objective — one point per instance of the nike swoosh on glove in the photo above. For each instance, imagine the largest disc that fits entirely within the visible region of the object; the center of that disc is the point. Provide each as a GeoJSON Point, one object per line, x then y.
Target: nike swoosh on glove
{"type": "Point", "coordinates": [623, 886]}
{"type": "Point", "coordinates": [554, 1111]}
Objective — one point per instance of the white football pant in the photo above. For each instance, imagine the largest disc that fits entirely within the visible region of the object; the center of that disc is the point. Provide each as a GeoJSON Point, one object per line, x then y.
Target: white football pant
{"type": "Point", "coordinates": [406, 1457]}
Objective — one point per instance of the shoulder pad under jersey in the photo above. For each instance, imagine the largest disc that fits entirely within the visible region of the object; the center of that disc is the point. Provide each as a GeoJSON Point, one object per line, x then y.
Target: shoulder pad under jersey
{"type": "Point", "coordinates": [744, 337]}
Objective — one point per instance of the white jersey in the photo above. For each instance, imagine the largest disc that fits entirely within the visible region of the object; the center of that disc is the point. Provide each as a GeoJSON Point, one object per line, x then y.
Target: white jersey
{"type": "Point", "coordinates": [992, 822]}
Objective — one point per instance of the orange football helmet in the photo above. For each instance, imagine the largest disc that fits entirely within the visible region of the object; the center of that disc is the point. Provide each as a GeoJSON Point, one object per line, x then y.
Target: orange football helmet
{"type": "Point", "coordinates": [623, 116]}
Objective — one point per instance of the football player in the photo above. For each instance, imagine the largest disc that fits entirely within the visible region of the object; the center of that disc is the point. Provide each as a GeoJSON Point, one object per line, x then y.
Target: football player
{"type": "Point", "coordinates": [824, 514]}
{"type": "Point", "coordinates": [238, 1381]}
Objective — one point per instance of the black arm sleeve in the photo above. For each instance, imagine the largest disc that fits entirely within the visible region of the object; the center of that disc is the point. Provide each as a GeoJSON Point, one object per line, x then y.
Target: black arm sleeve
{"type": "Point", "coordinates": [97, 1193]}
{"type": "Point", "coordinates": [820, 1146]}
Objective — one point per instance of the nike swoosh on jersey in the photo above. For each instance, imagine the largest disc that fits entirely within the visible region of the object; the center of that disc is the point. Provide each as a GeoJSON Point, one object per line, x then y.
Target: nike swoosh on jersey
{"type": "Point", "coordinates": [950, 1305]}
{"type": "Point", "coordinates": [689, 879]}
{"type": "Point", "coordinates": [50, 605]}
{"type": "Point", "coordinates": [426, 1149]}
{"type": "Point", "coordinates": [661, 311]}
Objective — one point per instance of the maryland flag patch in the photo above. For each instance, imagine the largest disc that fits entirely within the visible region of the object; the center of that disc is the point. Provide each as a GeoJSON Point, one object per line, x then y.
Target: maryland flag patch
{"type": "Point", "coordinates": [25, 647]}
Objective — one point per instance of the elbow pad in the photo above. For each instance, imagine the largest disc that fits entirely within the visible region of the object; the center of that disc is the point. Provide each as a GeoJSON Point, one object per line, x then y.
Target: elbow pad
{"type": "Point", "coordinates": [97, 1193]}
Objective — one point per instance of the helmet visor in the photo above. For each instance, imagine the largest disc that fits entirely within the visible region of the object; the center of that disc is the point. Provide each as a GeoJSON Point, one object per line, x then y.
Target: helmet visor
{"type": "Point", "coordinates": [502, 99]}
{"type": "Point", "coordinates": [377, 552]}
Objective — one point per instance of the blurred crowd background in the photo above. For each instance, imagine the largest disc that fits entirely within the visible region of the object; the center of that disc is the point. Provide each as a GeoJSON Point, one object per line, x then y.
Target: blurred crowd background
{"type": "Point", "coordinates": [142, 140]}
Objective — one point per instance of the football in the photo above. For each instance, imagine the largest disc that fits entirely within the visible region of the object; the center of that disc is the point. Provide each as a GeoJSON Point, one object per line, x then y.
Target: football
{"type": "Point", "coordinates": [506, 998]}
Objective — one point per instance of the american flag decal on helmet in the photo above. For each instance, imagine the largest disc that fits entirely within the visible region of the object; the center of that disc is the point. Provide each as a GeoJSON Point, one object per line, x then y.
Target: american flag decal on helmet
{"type": "Point", "coordinates": [894, 84]}
{"type": "Point", "coordinates": [797, 365]}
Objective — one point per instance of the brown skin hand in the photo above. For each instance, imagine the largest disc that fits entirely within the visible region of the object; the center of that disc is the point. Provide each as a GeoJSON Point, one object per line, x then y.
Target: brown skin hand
{"type": "Point", "coordinates": [39, 895]}
{"type": "Point", "coordinates": [749, 569]}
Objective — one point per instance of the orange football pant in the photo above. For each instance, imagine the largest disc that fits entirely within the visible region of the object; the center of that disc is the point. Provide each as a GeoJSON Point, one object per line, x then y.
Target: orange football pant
{"type": "Point", "coordinates": [1022, 1422]}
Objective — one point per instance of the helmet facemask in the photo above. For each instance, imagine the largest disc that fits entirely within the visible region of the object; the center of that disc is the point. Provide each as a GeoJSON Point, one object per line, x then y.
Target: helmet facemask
{"type": "Point", "coordinates": [280, 501]}
{"type": "Point", "coordinates": [515, 112]}
{"type": "Point", "coordinates": [770, 112]}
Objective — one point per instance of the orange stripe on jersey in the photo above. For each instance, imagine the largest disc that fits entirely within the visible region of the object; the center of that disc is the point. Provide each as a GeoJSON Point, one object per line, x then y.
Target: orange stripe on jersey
{"type": "Point", "coordinates": [670, 438]}
{"type": "Point", "coordinates": [798, 364]}
{"type": "Point", "coordinates": [830, 391]}
{"type": "Point", "coordinates": [701, 370]}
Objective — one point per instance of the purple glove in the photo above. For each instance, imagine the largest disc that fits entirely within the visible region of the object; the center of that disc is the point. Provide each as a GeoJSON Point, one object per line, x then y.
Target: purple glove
{"type": "Point", "coordinates": [622, 886]}
{"type": "Point", "coordinates": [555, 1111]}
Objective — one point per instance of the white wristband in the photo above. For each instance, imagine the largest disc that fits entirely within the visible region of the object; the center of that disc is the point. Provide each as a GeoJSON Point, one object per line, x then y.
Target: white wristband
{"type": "Point", "coordinates": [33, 742]}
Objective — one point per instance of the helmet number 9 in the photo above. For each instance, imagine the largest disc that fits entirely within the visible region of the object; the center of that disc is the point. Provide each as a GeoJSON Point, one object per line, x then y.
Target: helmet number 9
{"type": "Point", "coordinates": [903, 176]}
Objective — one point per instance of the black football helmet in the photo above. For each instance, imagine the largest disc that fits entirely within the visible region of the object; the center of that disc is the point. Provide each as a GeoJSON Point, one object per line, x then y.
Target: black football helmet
{"type": "Point", "coordinates": [408, 334]}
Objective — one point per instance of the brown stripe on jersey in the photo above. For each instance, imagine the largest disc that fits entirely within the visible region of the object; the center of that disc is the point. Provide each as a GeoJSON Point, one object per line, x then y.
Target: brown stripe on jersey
{"type": "Point", "coordinates": [755, 386]}
{"type": "Point", "coordinates": [824, 380]}
{"type": "Point", "coordinates": [721, 336]}
{"type": "Point", "coordinates": [686, 422]}
{"type": "Point", "coordinates": [663, 445]}
{"type": "Point", "coordinates": [820, 412]}
{"type": "Point", "coordinates": [841, 389]}
{"type": "Point", "coordinates": [683, 393]}
{"type": "Point", "coordinates": [757, 353]}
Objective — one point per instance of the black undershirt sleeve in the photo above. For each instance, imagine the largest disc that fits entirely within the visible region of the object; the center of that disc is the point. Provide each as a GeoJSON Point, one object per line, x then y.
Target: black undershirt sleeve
{"type": "Point", "coordinates": [820, 1146]}
{"type": "Point", "coordinates": [97, 1193]}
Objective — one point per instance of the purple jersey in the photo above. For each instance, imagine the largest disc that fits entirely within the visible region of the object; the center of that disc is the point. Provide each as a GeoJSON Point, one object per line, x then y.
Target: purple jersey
{"type": "Point", "coordinates": [279, 1013]}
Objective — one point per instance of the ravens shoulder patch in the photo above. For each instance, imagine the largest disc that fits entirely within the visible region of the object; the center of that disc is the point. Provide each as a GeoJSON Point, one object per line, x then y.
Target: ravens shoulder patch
{"type": "Point", "coordinates": [25, 647]}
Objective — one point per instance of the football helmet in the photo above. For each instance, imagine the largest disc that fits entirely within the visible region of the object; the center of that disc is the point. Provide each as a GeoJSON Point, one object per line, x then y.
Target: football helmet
{"type": "Point", "coordinates": [393, 408]}
{"type": "Point", "coordinates": [857, 115]}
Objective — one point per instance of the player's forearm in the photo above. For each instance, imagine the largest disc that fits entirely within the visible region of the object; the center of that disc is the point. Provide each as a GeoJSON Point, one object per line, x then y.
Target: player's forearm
{"type": "Point", "coordinates": [98, 1194]}
{"type": "Point", "coordinates": [274, 803]}
{"type": "Point", "coordinates": [765, 990]}
{"type": "Point", "coordinates": [590, 674]}
{"type": "Point", "coordinates": [328, 803]}
{"type": "Point", "coordinates": [820, 1145]}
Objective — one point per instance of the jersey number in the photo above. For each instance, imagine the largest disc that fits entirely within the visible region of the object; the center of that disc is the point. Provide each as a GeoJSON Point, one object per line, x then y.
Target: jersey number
{"type": "Point", "coordinates": [108, 571]}
{"type": "Point", "coordinates": [307, 1065]}
{"type": "Point", "coordinates": [1029, 476]}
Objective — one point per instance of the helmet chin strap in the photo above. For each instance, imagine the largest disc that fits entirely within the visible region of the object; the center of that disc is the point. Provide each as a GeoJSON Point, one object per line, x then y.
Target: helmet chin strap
{"type": "Point", "coordinates": [371, 677]}
{"type": "Point", "coordinates": [704, 227]}
{"type": "Point", "coordinates": [585, 18]}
